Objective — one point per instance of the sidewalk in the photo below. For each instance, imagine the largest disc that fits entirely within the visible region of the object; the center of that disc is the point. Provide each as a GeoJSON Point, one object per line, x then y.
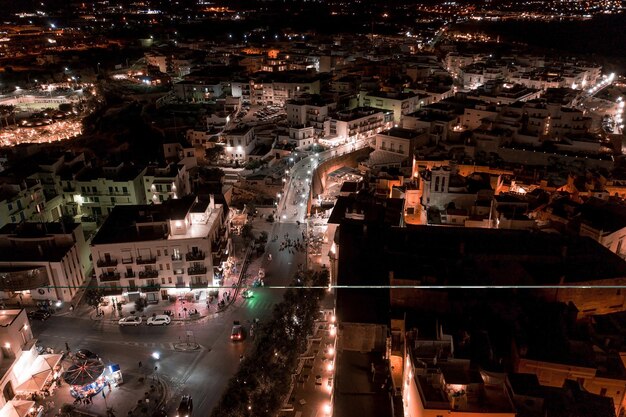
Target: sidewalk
{"type": "Point", "coordinates": [122, 399]}
{"type": "Point", "coordinates": [182, 306]}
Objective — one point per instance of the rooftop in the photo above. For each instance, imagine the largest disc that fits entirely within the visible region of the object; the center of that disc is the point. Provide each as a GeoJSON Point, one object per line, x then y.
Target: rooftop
{"type": "Point", "coordinates": [7, 316]}
{"type": "Point", "coordinates": [399, 132]}
{"type": "Point", "coordinates": [151, 222]}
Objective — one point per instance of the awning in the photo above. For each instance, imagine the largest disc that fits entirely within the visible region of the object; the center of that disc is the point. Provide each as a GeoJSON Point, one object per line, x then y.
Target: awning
{"type": "Point", "coordinates": [45, 363]}
{"type": "Point", "coordinates": [16, 408]}
{"type": "Point", "coordinates": [35, 382]}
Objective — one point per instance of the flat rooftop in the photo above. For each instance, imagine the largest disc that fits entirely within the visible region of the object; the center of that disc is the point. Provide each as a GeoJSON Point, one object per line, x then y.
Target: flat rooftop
{"type": "Point", "coordinates": [151, 222]}
{"type": "Point", "coordinates": [7, 316]}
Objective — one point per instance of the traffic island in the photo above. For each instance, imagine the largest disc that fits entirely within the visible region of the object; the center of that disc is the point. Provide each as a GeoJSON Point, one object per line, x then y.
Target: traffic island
{"type": "Point", "coordinates": [186, 347]}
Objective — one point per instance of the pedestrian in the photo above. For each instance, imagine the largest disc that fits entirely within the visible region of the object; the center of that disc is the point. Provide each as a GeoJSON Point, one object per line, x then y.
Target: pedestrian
{"type": "Point", "coordinates": [140, 364]}
{"type": "Point", "coordinates": [67, 347]}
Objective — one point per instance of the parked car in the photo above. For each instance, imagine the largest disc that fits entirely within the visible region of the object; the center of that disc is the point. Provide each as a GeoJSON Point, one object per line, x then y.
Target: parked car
{"type": "Point", "coordinates": [39, 315]}
{"type": "Point", "coordinates": [185, 408]}
{"type": "Point", "coordinates": [237, 333]}
{"type": "Point", "coordinates": [130, 321]}
{"type": "Point", "coordinates": [159, 320]}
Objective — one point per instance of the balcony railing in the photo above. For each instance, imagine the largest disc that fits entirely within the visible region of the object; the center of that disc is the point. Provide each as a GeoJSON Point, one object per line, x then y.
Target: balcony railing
{"type": "Point", "coordinates": [127, 260]}
{"type": "Point", "coordinates": [106, 262]}
{"type": "Point", "coordinates": [115, 276]}
{"type": "Point", "coordinates": [181, 285]}
{"type": "Point", "coordinates": [150, 273]}
{"type": "Point", "coordinates": [178, 257]}
{"type": "Point", "coordinates": [129, 275]}
{"type": "Point", "coordinates": [151, 288]}
{"type": "Point", "coordinates": [194, 256]}
{"type": "Point", "coordinates": [143, 261]}
{"type": "Point", "coordinates": [196, 270]}
{"type": "Point", "coordinates": [203, 284]}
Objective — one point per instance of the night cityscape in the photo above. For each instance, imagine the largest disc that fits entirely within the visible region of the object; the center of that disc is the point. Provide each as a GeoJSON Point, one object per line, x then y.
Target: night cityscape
{"type": "Point", "coordinates": [312, 208]}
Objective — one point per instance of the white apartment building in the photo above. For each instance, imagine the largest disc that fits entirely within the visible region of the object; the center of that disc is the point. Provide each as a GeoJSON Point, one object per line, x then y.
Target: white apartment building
{"type": "Point", "coordinates": [198, 90]}
{"type": "Point", "coordinates": [22, 200]}
{"type": "Point", "coordinates": [161, 250]}
{"type": "Point", "coordinates": [434, 383]}
{"type": "Point", "coordinates": [399, 103]}
{"type": "Point", "coordinates": [165, 182]}
{"type": "Point", "coordinates": [276, 88]}
{"type": "Point", "coordinates": [42, 261]}
{"type": "Point", "coordinates": [240, 142]}
{"type": "Point", "coordinates": [302, 137]}
{"type": "Point", "coordinates": [18, 355]}
{"type": "Point", "coordinates": [172, 179]}
{"type": "Point", "coordinates": [98, 190]}
{"type": "Point", "coordinates": [310, 111]}
{"type": "Point", "coordinates": [474, 116]}
{"type": "Point", "coordinates": [359, 123]}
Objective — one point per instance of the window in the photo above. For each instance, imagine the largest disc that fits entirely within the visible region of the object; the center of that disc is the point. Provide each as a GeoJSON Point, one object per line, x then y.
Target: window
{"type": "Point", "coordinates": [125, 190]}
{"type": "Point", "coordinates": [160, 267]}
{"type": "Point", "coordinates": [436, 184]}
{"type": "Point", "coordinates": [169, 280]}
{"type": "Point", "coordinates": [165, 252]}
{"type": "Point", "coordinates": [158, 252]}
{"type": "Point", "coordinates": [163, 280]}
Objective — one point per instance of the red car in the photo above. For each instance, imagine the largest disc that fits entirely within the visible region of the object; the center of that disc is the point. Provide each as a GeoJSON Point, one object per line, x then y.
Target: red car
{"type": "Point", "coordinates": [237, 333]}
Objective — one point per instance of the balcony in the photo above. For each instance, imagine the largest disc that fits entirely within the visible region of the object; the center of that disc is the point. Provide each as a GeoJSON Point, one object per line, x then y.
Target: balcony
{"type": "Point", "coordinates": [106, 262]}
{"type": "Point", "coordinates": [144, 261]}
{"type": "Point", "coordinates": [202, 284]}
{"type": "Point", "coordinates": [127, 260]}
{"type": "Point", "coordinates": [26, 279]}
{"type": "Point", "coordinates": [194, 256]}
{"type": "Point", "coordinates": [178, 257]}
{"type": "Point", "coordinates": [130, 275]}
{"type": "Point", "coordinates": [151, 288]}
{"type": "Point", "coordinates": [196, 270]}
{"type": "Point", "coordinates": [109, 276]}
{"type": "Point", "coordinates": [181, 285]}
{"type": "Point", "coordinates": [149, 273]}
{"type": "Point", "coordinates": [219, 257]}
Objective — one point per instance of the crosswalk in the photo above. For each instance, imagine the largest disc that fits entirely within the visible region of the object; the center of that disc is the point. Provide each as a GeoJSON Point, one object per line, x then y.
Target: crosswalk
{"type": "Point", "coordinates": [258, 304]}
{"type": "Point", "coordinates": [152, 345]}
{"type": "Point", "coordinates": [162, 346]}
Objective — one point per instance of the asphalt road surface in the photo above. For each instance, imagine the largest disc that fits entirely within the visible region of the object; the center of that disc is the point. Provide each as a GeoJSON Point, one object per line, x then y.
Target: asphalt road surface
{"type": "Point", "coordinates": [203, 374]}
